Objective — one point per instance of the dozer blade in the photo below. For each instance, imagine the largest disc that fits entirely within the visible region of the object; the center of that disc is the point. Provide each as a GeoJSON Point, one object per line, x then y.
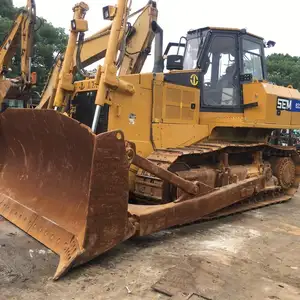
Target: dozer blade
{"type": "Point", "coordinates": [63, 185]}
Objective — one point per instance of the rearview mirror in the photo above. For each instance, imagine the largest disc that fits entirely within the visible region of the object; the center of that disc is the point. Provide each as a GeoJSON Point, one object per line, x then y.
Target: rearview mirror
{"type": "Point", "coordinates": [270, 44]}
{"type": "Point", "coordinates": [175, 62]}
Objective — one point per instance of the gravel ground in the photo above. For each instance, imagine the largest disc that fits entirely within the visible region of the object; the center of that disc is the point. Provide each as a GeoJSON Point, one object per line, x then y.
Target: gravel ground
{"type": "Point", "coordinates": [253, 255]}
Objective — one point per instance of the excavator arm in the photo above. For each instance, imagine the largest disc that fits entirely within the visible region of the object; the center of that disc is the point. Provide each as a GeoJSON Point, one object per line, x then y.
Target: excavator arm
{"type": "Point", "coordinates": [138, 40]}
{"type": "Point", "coordinates": [27, 33]}
{"type": "Point", "coordinates": [10, 44]}
{"type": "Point", "coordinates": [21, 34]}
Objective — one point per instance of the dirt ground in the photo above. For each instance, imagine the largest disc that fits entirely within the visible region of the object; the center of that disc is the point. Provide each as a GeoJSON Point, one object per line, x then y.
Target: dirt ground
{"type": "Point", "coordinates": [254, 255]}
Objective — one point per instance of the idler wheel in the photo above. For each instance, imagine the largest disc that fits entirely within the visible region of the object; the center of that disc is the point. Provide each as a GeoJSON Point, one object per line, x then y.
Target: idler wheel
{"type": "Point", "coordinates": [284, 169]}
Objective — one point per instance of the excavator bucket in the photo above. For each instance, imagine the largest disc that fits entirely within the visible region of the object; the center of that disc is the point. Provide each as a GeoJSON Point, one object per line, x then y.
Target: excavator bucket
{"type": "Point", "coordinates": [11, 89]}
{"type": "Point", "coordinates": [63, 185]}
{"type": "Point", "coordinates": [5, 86]}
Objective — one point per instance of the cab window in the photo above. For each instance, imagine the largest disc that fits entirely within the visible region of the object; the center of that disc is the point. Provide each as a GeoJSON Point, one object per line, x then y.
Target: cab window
{"type": "Point", "coordinates": [194, 47]}
{"type": "Point", "coordinates": [191, 54]}
{"type": "Point", "coordinates": [252, 59]}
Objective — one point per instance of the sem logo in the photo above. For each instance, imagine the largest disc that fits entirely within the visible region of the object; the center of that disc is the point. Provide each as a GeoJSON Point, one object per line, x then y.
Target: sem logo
{"type": "Point", "coordinates": [194, 80]}
{"type": "Point", "coordinates": [284, 104]}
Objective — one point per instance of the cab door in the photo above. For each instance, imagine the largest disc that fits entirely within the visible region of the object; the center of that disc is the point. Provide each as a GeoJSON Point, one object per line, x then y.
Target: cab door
{"type": "Point", "coordinates": [220, 91]}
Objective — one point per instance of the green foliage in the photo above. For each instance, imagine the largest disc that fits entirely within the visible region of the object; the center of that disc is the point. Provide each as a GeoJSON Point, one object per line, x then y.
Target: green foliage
{"type": "Point", "coordinates": [49, 40]}
{"type": "Point", "coordinates": [7, 10]}
{"type": "Point", "coordinates": [5, 25]}
{"type": "Point", "coordinates": [284, 70]}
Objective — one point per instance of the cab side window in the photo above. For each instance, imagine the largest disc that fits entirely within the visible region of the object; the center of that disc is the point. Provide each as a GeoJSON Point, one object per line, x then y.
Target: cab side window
{"type": "Point", "coordinates": [252, 59]}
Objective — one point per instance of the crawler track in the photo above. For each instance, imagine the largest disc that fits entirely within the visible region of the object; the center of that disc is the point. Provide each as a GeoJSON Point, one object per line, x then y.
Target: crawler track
{"type": "Point", "coordinates": [152, 190]}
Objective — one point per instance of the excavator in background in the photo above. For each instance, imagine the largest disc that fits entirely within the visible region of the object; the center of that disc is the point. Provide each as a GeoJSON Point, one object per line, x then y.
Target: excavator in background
{"type": "Point", "coordinates": [129, 155]}
{"type": "Point", "coordinates": [286, 137]}
{"type": "Point", "coordinates": [21, 35]}
{"type": "Point", "coordinates": [135, 44]}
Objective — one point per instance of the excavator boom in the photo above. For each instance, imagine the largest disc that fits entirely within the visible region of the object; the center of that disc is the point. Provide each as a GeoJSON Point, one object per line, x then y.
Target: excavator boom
{"type": "Point", "coordinates": [137, 46]}
{"type": "Point", "coordinates": [21, 35]}
{"type": "Point", "coordinates": [27, 41]}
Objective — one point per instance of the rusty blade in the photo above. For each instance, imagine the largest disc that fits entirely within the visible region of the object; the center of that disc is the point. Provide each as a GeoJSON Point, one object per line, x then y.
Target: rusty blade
{"type": "Point", "coordinates": [63, 185]}
{"type": "Point", "coordinates": [107, 219]}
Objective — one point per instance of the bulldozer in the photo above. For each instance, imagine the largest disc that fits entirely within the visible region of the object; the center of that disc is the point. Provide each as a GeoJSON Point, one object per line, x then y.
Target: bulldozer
{"type": "Point", "coordinates": [120, 156]}
{"type": "Point", "coordinates": [21, 36]}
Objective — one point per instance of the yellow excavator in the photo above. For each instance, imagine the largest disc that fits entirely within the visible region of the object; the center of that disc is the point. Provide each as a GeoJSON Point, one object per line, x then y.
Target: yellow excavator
{"type": "Point", "coordinates": [136, 45]}
{"type": "Point", "coordinates": [129, 155]}
{"type": "Point", "coordinates": [21, 35]}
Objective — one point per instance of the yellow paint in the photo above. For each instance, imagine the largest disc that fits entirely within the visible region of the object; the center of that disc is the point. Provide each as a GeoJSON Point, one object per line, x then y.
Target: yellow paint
{"type": "Point", "coordinates": [162, 115]}
{"type": "Point", "coordinates": [176, 104]}
{"type": "Point", "coordinates": [65, 79]}
{"type": "Point", "coordinates": [94, 49]}
{"type": "Point", "coordinates": [138, 128]}
{"type": "Point", "coordinates": [264, 115]}
{"type": "Point", "coordinates": [20, 35]}
{"type": "Point", "coordinates": [266, 95]}
{"type": "Point", "coordinates": [165, 115]}
{"type": "Point", "coordinates": [157, 115]}
{"type": "Point", "coordinates": [233, 29]}
{"type": "Point", "coordinates": [164, 111]}
{"type": "Point", "coordinates": [162, 121]}
{"type": "Point", "coordinates": [172, 135]}
{"type": "Point", "coordinates": [221, 119]}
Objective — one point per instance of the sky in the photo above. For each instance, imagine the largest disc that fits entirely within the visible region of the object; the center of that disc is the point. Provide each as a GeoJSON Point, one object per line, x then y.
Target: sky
{"type": "Point", "coordinates": [266, 18]}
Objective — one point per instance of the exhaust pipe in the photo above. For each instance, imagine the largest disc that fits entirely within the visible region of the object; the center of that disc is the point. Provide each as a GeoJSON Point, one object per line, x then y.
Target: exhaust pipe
{"type": "Point", "coordinates": [159, 38]}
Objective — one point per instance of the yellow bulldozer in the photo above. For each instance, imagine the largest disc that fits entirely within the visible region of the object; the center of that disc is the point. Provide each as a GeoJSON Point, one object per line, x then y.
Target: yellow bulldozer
{"type": "Point", "coordinates": [120, 156]}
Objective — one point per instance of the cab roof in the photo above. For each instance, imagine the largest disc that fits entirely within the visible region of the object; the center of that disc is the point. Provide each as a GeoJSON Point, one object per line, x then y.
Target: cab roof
{"type": "Point", "coordinates": [244, 31]}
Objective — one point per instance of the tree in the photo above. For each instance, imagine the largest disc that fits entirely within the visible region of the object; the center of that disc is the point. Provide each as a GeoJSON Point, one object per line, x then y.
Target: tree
{"type": "Point", "coordinates": [5, 25]}
{"type": "Point", "coordinates": [7, 10]}
{"type": "Point", "coordinates": [49, 41]}
{"type": "Point", "coordinates": [284, 70]}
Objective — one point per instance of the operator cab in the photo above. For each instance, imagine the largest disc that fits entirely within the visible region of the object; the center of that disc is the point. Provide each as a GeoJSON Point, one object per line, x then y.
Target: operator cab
{"type": "Point", "coordinates": [226, 58]}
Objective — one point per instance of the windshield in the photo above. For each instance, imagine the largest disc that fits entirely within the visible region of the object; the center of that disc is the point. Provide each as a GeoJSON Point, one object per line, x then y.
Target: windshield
{"type": "Point", "coordinates": [192, 51]}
